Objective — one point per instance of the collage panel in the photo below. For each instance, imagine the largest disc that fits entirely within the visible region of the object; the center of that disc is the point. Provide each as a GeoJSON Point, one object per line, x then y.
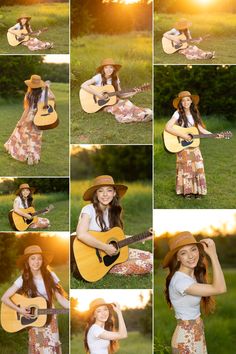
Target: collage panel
{"type": "Point", "coordinates": [111, 207]}
{"type": "Point", "coordinates": [194, 287]}
{"type": "Point", "coordinates": [111, 72]}
{"type": "Point", "coordinates": [125, 314]}
{"type": "Point", "coordinates": [34, 292]}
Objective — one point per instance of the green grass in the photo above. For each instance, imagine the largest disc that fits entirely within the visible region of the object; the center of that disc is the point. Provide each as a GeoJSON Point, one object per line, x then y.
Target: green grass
{"type": "Point", "coordinates": [134, 343]}
{"type": "Point", "coordinates": [134, 52]}
{"type": "Point", "coordinates": [221, 40]}
{"type": "Point", "coordinates": [55, 143]}
{"type": "Point", "coordinates": [55, 16]}
{"type": "Point", "coordinates": [14, 343]}
{"type": "Point", "coordinates": [220, 327]}
{"type": "Point", "coordinates": [138, 199]}
{"type": "Point", "coordinates": [58, 217]}
{"type": "Point", "coordinates": [219, 170]}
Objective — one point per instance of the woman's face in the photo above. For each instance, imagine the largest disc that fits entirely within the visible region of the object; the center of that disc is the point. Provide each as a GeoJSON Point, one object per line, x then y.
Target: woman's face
{"type": "Point", "coordinates": [25, 192]}
{"type": "Point", "coordinates": [35, 262]}
{"type": "Point", "coordinates": [186, 102]}
{"type": "Point", "coordinates": [188, 256]}
{"type": "Point", "coordinates": [23, 21]}
{"type": "Point", "coordinates": [108, 70]}
{"type": "Point", "coordinates": [105, 195]}
{"type": "Point", "coordinates": [101, 313]}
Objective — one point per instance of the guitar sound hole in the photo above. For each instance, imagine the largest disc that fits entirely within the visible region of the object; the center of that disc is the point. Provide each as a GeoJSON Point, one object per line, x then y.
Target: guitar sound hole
{"type": "Point", "coordinates": [186, 143]}
{"type": "Point", "coordinates": [28, 221]}
{"type": "Point", "coordinates": [25, 321]}
{"type": "Point", "coordinates": [103, 101]}
{"type": "Point", "coordinates": [108, 260]}
{"type": "Point", "coordinates": [50, 110]}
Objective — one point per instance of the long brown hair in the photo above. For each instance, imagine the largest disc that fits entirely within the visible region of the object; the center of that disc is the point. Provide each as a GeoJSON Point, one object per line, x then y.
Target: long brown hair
{"type": "Point", "coordinates": [109, 326]}
{"type": "Point", "coordinates": [183, 120]}
{"type": "Point", "coordinates": [114, 212]}
{"type": "Point", "coordinates": [114, 78]}
{"type": "Point", "coordinates": [201, 275]}
{"type": "Point", "coordinates": [32, 97]}
{"type": "Point", "coordinates": [29, 199]}
{"type": "Point", "coordinates": [27, 25]}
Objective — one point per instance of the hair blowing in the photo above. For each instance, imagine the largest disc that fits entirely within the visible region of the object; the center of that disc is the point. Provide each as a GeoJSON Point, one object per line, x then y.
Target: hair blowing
{"type": "Point", "coordinates": [201, 274]}
{"type": "Point", "coordinates": [183, 120]}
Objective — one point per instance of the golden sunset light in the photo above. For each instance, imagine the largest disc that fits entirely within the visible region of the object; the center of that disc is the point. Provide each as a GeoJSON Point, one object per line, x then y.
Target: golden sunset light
{"type": "Point", "coordinates": [126, 298]}
{"type": "Point", "coordinates": [75, 149]}
{"type": "Point", "coordinates": [57, 58]}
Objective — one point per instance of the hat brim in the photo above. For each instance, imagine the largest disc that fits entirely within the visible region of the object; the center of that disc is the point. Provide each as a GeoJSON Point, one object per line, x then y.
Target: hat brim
{"type": "Point", "coordinates": [31, 85]}
{"type": "Point", "coordinates": [47, 257]}
{"type": "Point", "coordinates": [120, 189]}
{"type": "Point", "coordinates": [116, 66]}
{"type": "Point", "coordinates": [194, 98]}
{"type": "Point", "coordinates": [32, 189]}
{"type": "Point", "coordinates": [181, 26]}
{"type": "Point", "coordinates": [170, 254]}
{"type": "Point", "coordinates": [20, 18]}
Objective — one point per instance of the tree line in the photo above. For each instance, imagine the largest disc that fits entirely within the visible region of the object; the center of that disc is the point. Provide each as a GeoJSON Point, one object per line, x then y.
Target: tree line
{"type": "Point", "coordinates": [42, 185]}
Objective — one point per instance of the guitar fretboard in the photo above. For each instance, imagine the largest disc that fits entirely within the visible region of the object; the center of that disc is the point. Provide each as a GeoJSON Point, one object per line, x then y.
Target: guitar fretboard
{"type": "Point", "coordinates": [52, 311]}
{"type": "Point", "coordinates": [132, 239]}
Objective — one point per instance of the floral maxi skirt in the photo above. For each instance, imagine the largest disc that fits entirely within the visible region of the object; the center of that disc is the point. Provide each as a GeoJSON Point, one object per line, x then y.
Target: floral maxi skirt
{"type": "Point", "coordinates": [190, 174]}
{"type": "Point", "coordinates": [189, 337]}
{"type": "Point", "coordinates": [35, 44]}
{"type": "Point", "coordinates": [126, 112]}
{"type": "Point", "coordinates": [193, 52]}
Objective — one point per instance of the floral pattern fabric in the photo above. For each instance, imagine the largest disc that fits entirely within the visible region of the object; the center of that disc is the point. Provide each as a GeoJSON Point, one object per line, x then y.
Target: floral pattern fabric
{"type": "Point", "coordinates": [193, 52]}
{"type": "Point", "coordinates": [35, 44]}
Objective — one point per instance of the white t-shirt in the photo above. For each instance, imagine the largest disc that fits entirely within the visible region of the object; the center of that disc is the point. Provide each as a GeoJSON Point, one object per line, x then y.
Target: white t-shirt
{"type": "Point", "coordinates": [175, 32]}
{"type": "Point", "coordinates": [93, 225]}
{"type": "Point", "coordinates": [189, 117]}
{"type": "Point", "coordinates": [19, 204]}
{"type": "Point", "coordinates": [187, 307]}
{"type": "Point", "coordinates": [39, 284]}
{"type": "Point", "coordinates": [97, 345]}
{"type": "Point", "coordinates": [98, 80]}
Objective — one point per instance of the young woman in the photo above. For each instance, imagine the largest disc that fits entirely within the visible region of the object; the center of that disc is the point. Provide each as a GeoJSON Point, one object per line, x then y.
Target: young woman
{"type": "Point", "coordinates": [100, 334]}
{"type": "Point", "coordinates": [101, 215]}
{"type": "Point", "coordinates": [24, 200]}
{"type": "Point", "coordinates": [124, 110]}
{"type": "Point", "coordinates": [33, 43]}
{"type": "Point", "coordinates": [38, 280]}
{"type": "Point", "coordinates": [187, 288]}
{"type": "Point", "coordinates": [25, 142]}
{"type": "Point", "coordinates": [192, 51]}
{"type": "Point", "coordinates": [190, 175]}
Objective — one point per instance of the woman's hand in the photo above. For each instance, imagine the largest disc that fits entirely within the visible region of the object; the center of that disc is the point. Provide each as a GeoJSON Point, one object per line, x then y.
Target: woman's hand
{"type": "Point", "coordinates": [209, 246]}
{"type": "Point", "coordinates": [116, 307]}
{"type": "Point", "coordinates": [186, 137]}
{"type": "Point", "coordinates": [28, 216]}
{"type": "Point", "coordinates": [109, 249]}
{"type": "Point", "coordinates": [25, 311]}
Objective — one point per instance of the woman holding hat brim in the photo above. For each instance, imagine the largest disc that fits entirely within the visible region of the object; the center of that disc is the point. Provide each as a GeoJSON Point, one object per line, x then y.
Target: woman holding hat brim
{"type": "Point", "coordinates": [24, 200]}
{"type": "Point", "coordinates": [103, 213]}
{"type": "Point", "coordinates": [38, 280]}
{"type": "Point", "coordinates": [124, 110]}
{"type": "Point", "coordinates": [187, 288]}
{"type": "Point", "coordinates": [33, 43]}
{"type": "Point", "coordinates": [192, 51]}
{"type": "Point", "coordinates": [100, 334]}
{"type": "Point", "coordinates": [25, 142]}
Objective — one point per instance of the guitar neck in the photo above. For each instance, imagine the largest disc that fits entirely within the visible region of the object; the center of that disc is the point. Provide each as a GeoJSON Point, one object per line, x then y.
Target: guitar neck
{"type": "Point", "coordinates": [39, 212]}
{"type": "Point", "coordinates": [52, 311]}
{"type": "Point", "coordinates": [46, 97]}
{"type": "Point", "coordinates": [122, 92]}
{"type": "Point", "coordinates": [205, 136]}
{"type": "Point", "coordinates": [133, 239]}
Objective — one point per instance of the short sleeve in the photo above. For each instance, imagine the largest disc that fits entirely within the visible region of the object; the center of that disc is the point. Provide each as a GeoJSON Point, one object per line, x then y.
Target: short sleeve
{"type": "Point", "coordinates": [176, 115]}
{"type": "Point", "coordinates": [17, 202]}
{"type": "Point", "coordinates": [96, 331]}
{"type": "Point", "coordinates": [55, 277]}
{"type": "Point", "coordinates": [97, 79]}
{"type": "Point", "coordinates": [173, 32]}
{"type": "Point", "coordinates": [87, 209]}
{"type": "Point", "coordinates": [182, 284]}
{"type": "Point", "coordinates": [19, 282]}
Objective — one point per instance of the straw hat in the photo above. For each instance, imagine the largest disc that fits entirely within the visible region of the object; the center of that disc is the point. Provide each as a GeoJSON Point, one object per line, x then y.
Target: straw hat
{"type": "Point", "coordinates": [96, 303]}
{"type": "Point", "coordinates": [34, 249]}
{"type": "Point", "coordinates": [35, 82]}
{"type": "Point", "coordinates": [175, 243]}
{"type": "Point", "coordinates": [182, 24]}
{"type": "Point", "coordinates": [23, 16]}
{"type": "Point", "coordinates": [108, 61]}
{"type": "Point", "coordinates": [25, 186]}
{"type": "Point", "coordinates": [104, 180]}
{"type": "Point", "coordinates": [182, 94]}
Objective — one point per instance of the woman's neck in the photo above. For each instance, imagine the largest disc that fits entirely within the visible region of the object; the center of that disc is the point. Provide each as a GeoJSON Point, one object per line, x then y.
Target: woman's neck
{"type": "Point", "coordinates": [187, 111]}
{"type": "Point", "coordinates": [100, 323]}
{"type": "Point", "coordinates": [103, 207]}
{"type": "Point", "coordinates": [36, 273]}
{"type": "Point", "coordinates": [186, 270]}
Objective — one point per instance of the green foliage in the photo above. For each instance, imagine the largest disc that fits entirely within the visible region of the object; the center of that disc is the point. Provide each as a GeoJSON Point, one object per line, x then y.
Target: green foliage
{"type": "Point", "coordinates": [8, 249]}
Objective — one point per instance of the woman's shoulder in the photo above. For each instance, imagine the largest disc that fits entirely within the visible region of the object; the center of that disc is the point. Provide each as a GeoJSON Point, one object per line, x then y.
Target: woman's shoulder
{"type": "Point", "coordinates": [19, 282]}
{"type": "Point", "coordinates": [55, 277]}
{"type": "Point", "coordinates": [95, 330]}
{"type": "Point", "coordinates": [88, 209]}
{"type": "Point", "coordinates": [176, 114]}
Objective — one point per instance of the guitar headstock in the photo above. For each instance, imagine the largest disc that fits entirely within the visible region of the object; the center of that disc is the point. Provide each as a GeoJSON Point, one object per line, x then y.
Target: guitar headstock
{"type": "Point", "coordinates": [50, 207]}
{"type": "Point", "coordinates": [145, 87]}
{"type": "Point", "coordinates": [226, 135]}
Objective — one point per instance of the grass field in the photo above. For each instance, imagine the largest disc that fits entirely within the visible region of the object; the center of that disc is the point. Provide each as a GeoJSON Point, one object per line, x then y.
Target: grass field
{"type": "Point", "coordinates": [219, 168]}
{"type": "Point", "coordinates": [55, 143]}
{"type": "Point", "coordinates": [139, 198]}
{"type": "Point", "coordinates": [54, 16]}
{"type": "Point", "coordinates": [14, 343]}
{"type": "Point", "coordinates": [222, 37]}
{"type": "Point", "coordinates": [135, 343]}
{"type": "Point", "coordinates": [58, 217]}
{"type": "Point", "coordinates": [219, 328]}
{"type": "Point", "coordinates": [134, 52]}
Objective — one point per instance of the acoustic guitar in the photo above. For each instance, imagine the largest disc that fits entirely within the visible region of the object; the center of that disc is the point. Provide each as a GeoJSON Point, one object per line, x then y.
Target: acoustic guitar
{"type": "Point", "coordinates": [176, 144]}
{"type": "Point", "coordinates": [20, 223]}
{"type": "Point", "coordinates": [91, 103]}
{"type": "Point", "coordinates": [13, 321]}
{"type": "Point", "coordinates": [46, 116]}
{"type": "Point", "coordinates": [16, 37]}
{"type": "Point", "coordinates": [170, 47]}
{"type": "Point", "coordinates": [94, 263]}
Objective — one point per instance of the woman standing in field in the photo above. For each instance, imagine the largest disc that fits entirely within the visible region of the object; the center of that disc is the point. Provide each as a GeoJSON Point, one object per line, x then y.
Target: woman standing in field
{"type": "Point", "coordinates": [103, 214]}
{"type": "Point", "coordinates": [187, 288]}
{"type": "Point", "coordinates": [123, 110]}
{"type": "Point", "coordinates": [191, 51]}
{"type": "Point", "coordinates": [38, 280]}
{"type": "Point", "coordinates": [100, 334]}
{"type": "Point", "coordinates": [25, 142]}
{"type": "Point", "coordinates": [33, 44]}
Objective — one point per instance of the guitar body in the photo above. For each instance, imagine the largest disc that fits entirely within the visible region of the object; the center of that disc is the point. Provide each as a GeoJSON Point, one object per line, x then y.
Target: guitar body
{"type": "Point", "coordinates": [92, 263]}
{"type": "Point", "coordinates": [176, 144]}
{"type": "Point", "coordinates": [46, 116]}
{"type": "Point", "coordinates": [13, 321]}
{"type": "Point", "coordinates": [18, 222]}
{"type": "Point", "coordinates": [91, 103]}
{"type": "Point", "coordinates": [171, 47]}
{"type": "Point", "coordinates": [13, 38]}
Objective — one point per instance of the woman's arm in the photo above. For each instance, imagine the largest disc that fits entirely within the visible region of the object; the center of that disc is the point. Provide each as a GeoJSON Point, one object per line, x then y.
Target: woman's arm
{"type": "Point", "coordinates": [203, 130]}
{"type": "Point", "coordinates": [18, 211]}
{"type": "Point", "coordinates": [86, 86]}
{"type": "Point", "coordinates": [218, 285]}
{"type": "Point", "coordinates": [170, 129]}
{"type": "Point", "coordinates": [84, 236]}
{"type": "Point", "coordinates": [172, 37]}
{"type": "Point", "coordinates": [122, 331]}
{"type": "Point", "coordinates": [62, 300]}
{"type": "Point", "coordinates": [7, 301]}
